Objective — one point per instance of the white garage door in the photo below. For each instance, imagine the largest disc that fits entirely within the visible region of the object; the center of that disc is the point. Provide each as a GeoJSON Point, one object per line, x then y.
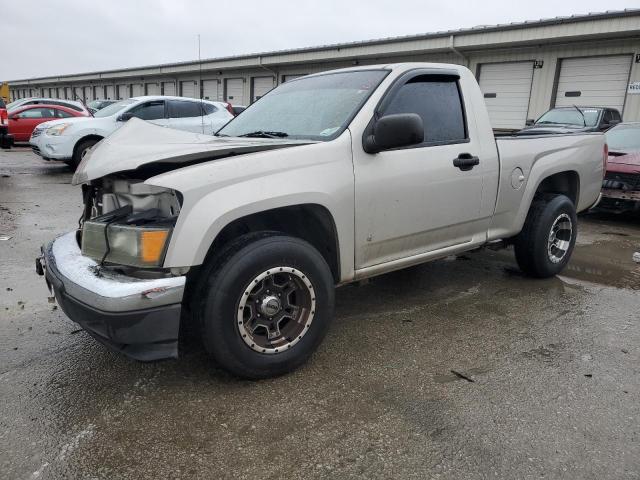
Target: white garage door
{"type": "Point", "coordinates": [188, 89]}
{"type": "Point", "coordinates": [123, 91]}
{"type": "Point", "coordinates": [235, 91]}
{"type": "Point", "coordinates": [88, 94]}
{"type": "Point", "coordinates": [261, 85]}
{"type": "Point", "coordinates": [77, 93]}
{"type": "Point", "coordinates": [169, 88]}
{"type": "Point", "coordinates": [153, 88]}
{"type": "Point", "coordinates": [210, 89]}
{"type": "Point", "coordinates": [111, 92]}
{"type": "Point", "coordinates": [507, 89]}
{"type": "Point", "coordinates": [594, 81]}
{"type": "Point", "coordinates": [137, 90]}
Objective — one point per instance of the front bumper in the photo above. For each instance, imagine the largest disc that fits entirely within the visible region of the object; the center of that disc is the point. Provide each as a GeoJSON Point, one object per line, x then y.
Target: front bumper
{"type": "Point", "coordinates": [139, 318]}
{"type": "Point", "coordinates": [52, 148]}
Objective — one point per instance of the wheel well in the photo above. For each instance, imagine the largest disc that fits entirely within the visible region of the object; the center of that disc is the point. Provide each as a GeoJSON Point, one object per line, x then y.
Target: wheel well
{"type": "Point", "coordinates": [567, 183]}
{"type": "Point", "coordinates": [88, 137]}
{"type": "Point", "coordinates": [310, 222]}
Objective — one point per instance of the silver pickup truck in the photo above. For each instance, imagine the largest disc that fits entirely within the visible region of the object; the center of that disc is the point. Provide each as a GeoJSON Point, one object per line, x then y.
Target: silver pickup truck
{"type": "Point", "coordinates": [326, 180]}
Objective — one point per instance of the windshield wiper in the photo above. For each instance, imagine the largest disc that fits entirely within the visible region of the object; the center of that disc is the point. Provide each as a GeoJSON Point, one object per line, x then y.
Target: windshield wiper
{"type": "Point", "coordinates": [584, 120]}
{"type": "Point", "coordinates": [265, 134]}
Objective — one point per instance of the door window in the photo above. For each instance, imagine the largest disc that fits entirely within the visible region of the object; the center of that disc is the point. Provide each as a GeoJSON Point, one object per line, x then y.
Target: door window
{"type": "Point", "coordinates": [149, 110]}
{"type": "Point", "coordinates": [63, 114]}
{"type": "Point", "coordinates": [208, 108]}
{"type": "Point", "coordinates": [438, 101]}
{"type": "Point", "coordinates": [37, 113]}
{"type": "Point", "coordinates": [180, 109]}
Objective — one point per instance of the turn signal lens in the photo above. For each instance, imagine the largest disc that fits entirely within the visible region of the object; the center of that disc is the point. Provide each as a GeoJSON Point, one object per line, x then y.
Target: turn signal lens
{"type": "Point", "coordinates": [152, 244]}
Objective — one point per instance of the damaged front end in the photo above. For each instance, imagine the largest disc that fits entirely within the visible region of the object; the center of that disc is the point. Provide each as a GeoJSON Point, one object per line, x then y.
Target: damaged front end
{"type": "Point", "coordinates": [108, 277]}
{"type": "Point", "coordinates": [621, 185]}
{"type": "Point", "coordinates": [127, 222]}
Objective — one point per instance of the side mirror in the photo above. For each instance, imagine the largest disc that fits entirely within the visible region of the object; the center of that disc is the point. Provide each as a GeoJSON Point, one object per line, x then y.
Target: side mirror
{"type": "Point", "coordinates": [125, 117]}
{"type": "Point", "coordinates": [394, 131]}
{"type": "Point", "coordinates": [14, 117]}
{"type": "Point", "coordinates": [529, 122]}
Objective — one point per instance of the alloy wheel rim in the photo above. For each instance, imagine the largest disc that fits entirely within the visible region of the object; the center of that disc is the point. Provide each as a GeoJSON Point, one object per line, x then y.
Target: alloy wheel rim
{"type": "Point", "coordinates": [560, 238]}
{"type": "Point", "coordinates": [276, 310]}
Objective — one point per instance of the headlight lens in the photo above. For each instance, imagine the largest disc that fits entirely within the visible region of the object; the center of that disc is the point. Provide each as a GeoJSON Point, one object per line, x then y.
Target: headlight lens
{"type": "Point", "coordinates": [135, 246]}
{"type": "Point", "coordinates": [57, 130]}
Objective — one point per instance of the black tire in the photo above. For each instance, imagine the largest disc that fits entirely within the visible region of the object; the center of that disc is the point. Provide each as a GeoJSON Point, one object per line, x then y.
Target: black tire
{"type": "Point", "coordinates": [534, 254]}
{"type": "Point", "coordinates": [223, 285]}
{"type": "Point", "coordinates": [79, 150]}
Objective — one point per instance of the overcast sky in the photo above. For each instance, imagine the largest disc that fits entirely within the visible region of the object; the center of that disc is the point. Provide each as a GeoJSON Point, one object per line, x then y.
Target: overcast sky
{"type": "Point", "coordinates": [45, 37]}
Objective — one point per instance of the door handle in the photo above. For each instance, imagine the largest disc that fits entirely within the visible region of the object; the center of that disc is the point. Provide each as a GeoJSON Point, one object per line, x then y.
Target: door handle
{"type": "Point", "coordinates": [466, 161]}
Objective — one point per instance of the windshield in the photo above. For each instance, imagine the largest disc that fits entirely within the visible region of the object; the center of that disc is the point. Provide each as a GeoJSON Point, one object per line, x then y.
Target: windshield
{"type": "Point", "coordinates": [624, 138]}
{"type": "Point", "coordinates": [570, 116]}
{"type": "Point", "coordinates": [316, 108]}
{"type": "Point", "coordinates": [114, 108]}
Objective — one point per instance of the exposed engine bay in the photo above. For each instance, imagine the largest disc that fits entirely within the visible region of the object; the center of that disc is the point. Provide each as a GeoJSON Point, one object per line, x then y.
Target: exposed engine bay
{"type": "Point", "coordinates": [126, 222]}
{"type": "Point", "coordinates": [112, 193]}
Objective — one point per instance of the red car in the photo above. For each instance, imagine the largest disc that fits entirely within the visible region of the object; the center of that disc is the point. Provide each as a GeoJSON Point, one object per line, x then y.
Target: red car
{"type": "Point", "coordinates": [621, 186]}
{"type": "Point", "coordinates": [6, 140]}
{"type": "Point", "coordinates": [23, 120]}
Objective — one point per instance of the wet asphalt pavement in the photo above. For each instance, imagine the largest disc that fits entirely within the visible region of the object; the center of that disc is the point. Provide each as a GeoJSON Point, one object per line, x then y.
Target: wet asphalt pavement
{"type": "Point", "coordinates": [546, 382]}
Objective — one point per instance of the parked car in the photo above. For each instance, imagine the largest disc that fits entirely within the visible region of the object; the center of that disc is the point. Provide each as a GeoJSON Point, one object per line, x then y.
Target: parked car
{"type": "Point", "coordinates": [238, 109]}
{"type": "Point", "coordinates": [68, 140]}
{"type": "Point", "coordinates": [327, 180]}
{"type": "Point", "coordinates": [621, 185]}
{"type": "Point", "coordinates": [574, 119]}
{"type": "Point", "coordinates": [96, 105]}
{"type": "Point", "coordinates": [78, 106]}
{"type": "Point", "coordinates": [23, 120]}
{"type": "Point", "coordinates": [6, 140]}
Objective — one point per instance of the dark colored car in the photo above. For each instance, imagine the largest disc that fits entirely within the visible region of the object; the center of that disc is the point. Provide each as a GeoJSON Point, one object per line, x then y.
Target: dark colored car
{"type": "Point", "coordinates": [621, 185]}
{"type": "Point", "coordinates": [6, 140]}
{"type": "Point", "coordinates": [574, 119]}
{"type": "Point", "coordinates": [238, 109]}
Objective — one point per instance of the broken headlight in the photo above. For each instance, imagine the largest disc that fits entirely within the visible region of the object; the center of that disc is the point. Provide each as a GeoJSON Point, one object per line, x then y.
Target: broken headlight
{"type": "Point", "coordinates": [122, 238]}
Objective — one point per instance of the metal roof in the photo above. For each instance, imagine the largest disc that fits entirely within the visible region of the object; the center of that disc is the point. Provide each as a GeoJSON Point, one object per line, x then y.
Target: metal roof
{"type": "Point", "coordinates": [630, 12]}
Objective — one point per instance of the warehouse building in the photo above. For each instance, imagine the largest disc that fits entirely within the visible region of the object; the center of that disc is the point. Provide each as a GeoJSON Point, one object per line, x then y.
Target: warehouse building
{"type": "Point", "coordinates": [523, 68]}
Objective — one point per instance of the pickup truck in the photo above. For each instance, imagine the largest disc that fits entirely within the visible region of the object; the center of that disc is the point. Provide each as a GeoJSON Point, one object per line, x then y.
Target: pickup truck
{"type": "Point", "coordinates": [326, 180]}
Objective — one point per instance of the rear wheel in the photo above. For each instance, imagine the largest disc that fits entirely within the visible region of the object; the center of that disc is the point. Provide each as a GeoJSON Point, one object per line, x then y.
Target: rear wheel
{"type": "Point", "coordinates": [266, 304]}
{"type": "Point", "coordinates": [80, 151]}
{"type": "Point", "coordinates": [545, 244]}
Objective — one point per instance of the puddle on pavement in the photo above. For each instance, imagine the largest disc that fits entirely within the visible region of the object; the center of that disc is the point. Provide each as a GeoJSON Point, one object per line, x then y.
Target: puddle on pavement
{"type": "Point", "coordinates": [606, 263]}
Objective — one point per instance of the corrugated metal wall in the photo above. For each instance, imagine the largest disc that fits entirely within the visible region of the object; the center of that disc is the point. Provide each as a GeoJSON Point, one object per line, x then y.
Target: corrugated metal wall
{"type": "Point", "coordinates": [542, 89]}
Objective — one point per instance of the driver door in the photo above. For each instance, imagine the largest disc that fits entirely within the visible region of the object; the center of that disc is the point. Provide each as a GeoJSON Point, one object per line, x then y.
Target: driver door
{"type": "Point", "coordinates": [414, 200]}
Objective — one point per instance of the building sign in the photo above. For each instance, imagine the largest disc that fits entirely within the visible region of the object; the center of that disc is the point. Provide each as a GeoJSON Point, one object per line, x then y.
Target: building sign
{"type": "Point", "coordinates": [634, 88]}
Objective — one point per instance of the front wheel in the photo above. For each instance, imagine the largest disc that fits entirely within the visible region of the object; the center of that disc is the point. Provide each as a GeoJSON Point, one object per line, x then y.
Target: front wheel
{"type": "Point", "coordinates": [80, 151]}
{"type": "Point", "coordinates": [544, 246]}
{"type": "Point", "coordinates": [267, 302]}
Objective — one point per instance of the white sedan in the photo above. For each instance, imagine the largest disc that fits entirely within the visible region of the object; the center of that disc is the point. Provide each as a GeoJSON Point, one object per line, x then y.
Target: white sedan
{"type": "Point", "coordinates": [69, 139]}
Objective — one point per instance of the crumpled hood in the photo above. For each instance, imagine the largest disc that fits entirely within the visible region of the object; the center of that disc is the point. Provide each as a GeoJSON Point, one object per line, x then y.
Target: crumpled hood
{"type": "Point", "coordinates": [629, 163]}
{"type": "Point", "coordinates": [139, 143]}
